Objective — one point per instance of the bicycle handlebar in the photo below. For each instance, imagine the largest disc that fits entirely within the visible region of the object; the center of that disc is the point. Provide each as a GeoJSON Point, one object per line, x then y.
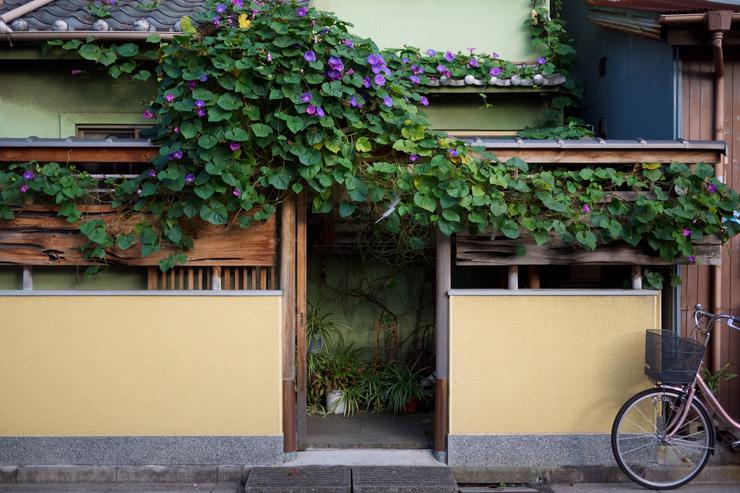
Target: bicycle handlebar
{"type": "Point", "coordinates": [732, 322]}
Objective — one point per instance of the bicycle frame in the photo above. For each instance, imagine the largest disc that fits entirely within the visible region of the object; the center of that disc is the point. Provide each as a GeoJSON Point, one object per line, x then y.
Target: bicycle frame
{"type": "Point", "coordinates": [709, 398]}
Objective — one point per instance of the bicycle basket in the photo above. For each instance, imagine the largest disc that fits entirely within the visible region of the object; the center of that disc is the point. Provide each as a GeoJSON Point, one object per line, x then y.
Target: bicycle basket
{"type": "Point", "coordinates": [670, 358]}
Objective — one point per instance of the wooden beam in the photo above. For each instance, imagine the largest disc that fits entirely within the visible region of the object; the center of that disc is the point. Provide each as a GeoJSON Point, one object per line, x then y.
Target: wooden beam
{"type": "Point", "coordinates": [442, 336]}
{"type": "Point", "coordinates": [595, 156]}
{"type": "Point", "coordinates": [503, 252]}
{"type": "Point", "coordinates": [533, 277]}
{"type": "Point", "coordinates": [78, 154]}
{"type": "Point", "coordinates": [288, 285]}
{"type": "Point", "coordinates": [636, 277]}
{"type": "Point", "coordinates": [301, 313]}
{"type": "Point", "coordinates": [38, 237]}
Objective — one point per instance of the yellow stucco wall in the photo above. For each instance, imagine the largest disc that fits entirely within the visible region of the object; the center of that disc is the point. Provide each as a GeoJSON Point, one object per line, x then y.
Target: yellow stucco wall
{"type": "Point", "coordinates": [539, 364]}
{"type": "Point", "coordinates": [140, 366]}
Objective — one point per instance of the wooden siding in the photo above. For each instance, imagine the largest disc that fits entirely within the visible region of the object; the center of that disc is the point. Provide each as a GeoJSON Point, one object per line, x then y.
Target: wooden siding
{"type": "Point", "coordinates": [697, 119]}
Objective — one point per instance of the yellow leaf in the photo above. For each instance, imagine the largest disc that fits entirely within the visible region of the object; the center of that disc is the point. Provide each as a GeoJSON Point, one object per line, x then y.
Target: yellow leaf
{"type": "Point", "coordinates": [244, 22]}
{"type": "Point", "coordinates": [187, 24]}
{"type": "Point", "coordinates": [651, 165]}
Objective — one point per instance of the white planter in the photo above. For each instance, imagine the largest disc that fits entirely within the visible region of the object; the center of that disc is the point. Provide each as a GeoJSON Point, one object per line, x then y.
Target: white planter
{"type": "Point", "coordinates": [334, 402]}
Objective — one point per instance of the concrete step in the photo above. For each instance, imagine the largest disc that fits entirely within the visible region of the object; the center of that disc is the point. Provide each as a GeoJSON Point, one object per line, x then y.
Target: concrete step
{"type": "Point", "coordinates": [403, 480]}
{"type": "Point", "coordinates": [357, 479]}
{"type": "Point", "coordinates": [311, 479]}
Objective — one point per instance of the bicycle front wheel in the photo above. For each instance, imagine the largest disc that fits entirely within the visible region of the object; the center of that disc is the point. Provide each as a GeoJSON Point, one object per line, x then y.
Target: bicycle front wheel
{"type": "Point", "coordinates": [643, 448]}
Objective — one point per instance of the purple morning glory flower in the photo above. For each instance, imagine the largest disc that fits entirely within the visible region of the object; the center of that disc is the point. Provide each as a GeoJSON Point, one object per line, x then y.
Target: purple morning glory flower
{"type": "Point", "coordinates": [191, 85]}
{"type": "Point", "coordinates": [220, 8]}
{"type": "Point", "coordinates": [424, 101]}
{"type": "Point", "coordinates": [301, 11]}
{"type": "Point", "coordinates": [235, 146]}
{"type": "Point", "coordinates": [366, 82]}
{"type": "Point", "coordinates": [201, 113]}
{"type": "Point", "coordinates": [415, 80]}
{"type": "Point", "coordinates": [471, 50]}
{"type": "Point", "coordinates": [151, 173]}
{"type": "Point", "coordinates": [413, 158]}
{"type": "Point", "coordinates": [216, 21]}
{"type": "Point", "coordinates": [348, 43]}
{"type": "Point", "coordinates": [375, 60]}
{"type": "Point", "coordinates": [444, 70]}
{"type": "Point", "coordinates": [237, 3]}
{"type": "Point", "coordinates": [176, 155]}
{"type": "Point", "coordinates": [495, 55]}
{"type": "Point", "coordinates": [350, 72]}
{"type": "Point", "coordinates": [711, 188]}
{"type": "Point", "coordinates": [431, 52]}
{"type": "Point", "coordinates": [585, 209]}
{"type": "Point", "coordinates": [203, 77]}
{"type": "Point", "coordinates": [495, 71]}
{"type": "Point", "coordinates": [417, 70]}
{"type": "Point", "coordinates": [353, 102]}
{"type": "Point", "coordinates": [453, 152]}
{"type": "Point", "coordinates": [336, 63]}
{"type": "Point", "coordinates": [199, 103]}
{"type": "Point", "coordinates": [306, 97]}
{"type": "Point", "coordinates": [28, 175]}
{"type": "Point", "coordinates": [473, 63]}
{"type": "Point", "coordinates": [311, 109]}
{"type": "Point", "coordinates": [24, 188]}
{"type": "Point", "coordinates": [542, 60]}
{"type": "Point", "coordinates": [379, 80]}
{"type": "Point", "coordinates": [176, 130]}
{"type": "Point", "coordinates": [692, 259]}
{"type": "Point", "coordinates": [169, 97]}
{"type": "Point", "coordinates": [686, 232]}
{"type": "Point", "coordinates": [405, 60]}
{"type": "Point", "coordinates": [148, 115]}
{"type": "Point", "coordinates": [310, 56]}
{"type": "Point", "coordinates": [388, 101]}
{"type": "Point", "coordinates": [269, 57]}
{"type": "Point", "coordinates": [320, 112]}
{"type": "Point", "coordinates": [189, 178]}
{"type": "Point", "coordinates": [449, 56]}
{"type": "Point", "coordinates": [237, 192]}
{"type": "Point", "coordinates": [334, 74]}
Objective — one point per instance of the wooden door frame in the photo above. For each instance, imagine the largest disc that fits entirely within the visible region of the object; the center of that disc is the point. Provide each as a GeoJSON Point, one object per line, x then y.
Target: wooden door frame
{"type": "Point", "coordinates": [294, 283]}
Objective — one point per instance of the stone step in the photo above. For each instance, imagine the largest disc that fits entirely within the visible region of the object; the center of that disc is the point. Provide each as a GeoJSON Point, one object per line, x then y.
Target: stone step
{"type": "Point", "coordinates": [312, 479]}
{"type": "Point", "coordinates": [315, 479]}
{"type": "Point", "coordinates": [403, 480]}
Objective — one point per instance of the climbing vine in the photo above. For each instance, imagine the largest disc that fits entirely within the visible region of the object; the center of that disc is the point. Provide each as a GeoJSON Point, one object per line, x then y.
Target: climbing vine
{"type": "Point", "coordinates": [268, 98]}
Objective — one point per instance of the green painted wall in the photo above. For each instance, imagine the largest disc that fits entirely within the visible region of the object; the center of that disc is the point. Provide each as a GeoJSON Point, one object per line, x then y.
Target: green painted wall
{"type": "Point", "coordinates": [10, 278]}
{"type": "Point", "coordinates": [351, 292]}
{"type": "Point", "coordinates": [70, 278]}
{"type": "Point", "coordinates": [487, 25]}
{"type": "Point", "coordinates": [47, 101]}
{"type": "Point", "coordinates": [501, 111]}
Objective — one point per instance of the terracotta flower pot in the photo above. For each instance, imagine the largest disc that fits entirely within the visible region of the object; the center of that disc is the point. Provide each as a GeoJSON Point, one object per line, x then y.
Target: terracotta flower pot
{"type": "Point", "coordinates": [411, 406]}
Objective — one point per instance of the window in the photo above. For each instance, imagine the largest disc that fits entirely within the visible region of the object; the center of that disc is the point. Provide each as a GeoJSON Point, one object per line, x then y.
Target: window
{"type": "Point", "coordinates": [102, 132]}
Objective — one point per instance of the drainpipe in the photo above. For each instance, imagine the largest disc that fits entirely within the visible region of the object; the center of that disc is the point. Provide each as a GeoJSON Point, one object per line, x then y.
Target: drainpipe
{"type": "Point", "coordinates": [718, 22]}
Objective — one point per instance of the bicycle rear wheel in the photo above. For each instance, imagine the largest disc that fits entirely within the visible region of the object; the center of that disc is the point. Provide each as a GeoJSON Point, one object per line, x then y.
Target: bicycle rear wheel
{"type": "Point", "coordinates": [644, 452]}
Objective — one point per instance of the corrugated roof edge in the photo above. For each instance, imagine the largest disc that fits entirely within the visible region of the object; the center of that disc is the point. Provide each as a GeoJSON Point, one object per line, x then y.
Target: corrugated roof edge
{"type": "Point", "coordinates": [76, 143]}
{"type": "Point", "coordinates": [596, 144]}
{"type": "Point", "coordinates": [489, 143]}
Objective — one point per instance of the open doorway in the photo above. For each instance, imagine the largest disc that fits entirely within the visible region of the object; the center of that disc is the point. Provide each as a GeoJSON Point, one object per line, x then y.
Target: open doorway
{"type": "Point", "coordinates": [370, 336]}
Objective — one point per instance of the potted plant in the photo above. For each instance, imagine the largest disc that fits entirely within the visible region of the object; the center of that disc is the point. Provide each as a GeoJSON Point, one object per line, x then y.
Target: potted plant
{"type": "Point", "coordinates": [335, 375]}
{"type": "Point", "coordinates": [403, 389]}
{"type": "Point", "coordinates": [320, 329]}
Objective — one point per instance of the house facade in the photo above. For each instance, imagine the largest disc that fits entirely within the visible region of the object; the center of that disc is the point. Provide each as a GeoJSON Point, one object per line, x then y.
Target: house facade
{"type": "Point", "coordinates": [667, 70]}
{"type": "Point", "coordinates": [205, 363]}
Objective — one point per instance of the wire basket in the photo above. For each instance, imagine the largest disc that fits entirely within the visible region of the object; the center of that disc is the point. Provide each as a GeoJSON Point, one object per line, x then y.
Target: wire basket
{"type": "Point", "coordinates": [670, 358]}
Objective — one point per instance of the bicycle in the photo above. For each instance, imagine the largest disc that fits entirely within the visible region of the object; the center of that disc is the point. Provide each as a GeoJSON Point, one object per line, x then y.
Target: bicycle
{"type": "Point", "coordinates": [662, 437]}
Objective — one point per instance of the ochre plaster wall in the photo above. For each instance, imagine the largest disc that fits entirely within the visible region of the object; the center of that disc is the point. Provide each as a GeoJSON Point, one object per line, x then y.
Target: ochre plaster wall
{"type": "Point", "coordinates": [543, 364]}
{"type": "Point", "coordinates": [140, 366]}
